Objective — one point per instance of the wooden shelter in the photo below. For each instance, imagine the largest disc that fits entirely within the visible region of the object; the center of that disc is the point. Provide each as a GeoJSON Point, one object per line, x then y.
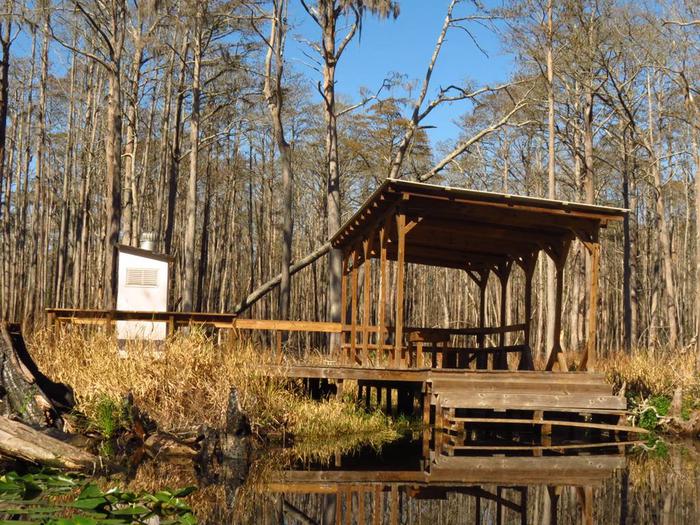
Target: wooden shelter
{"type": "Point", "coordinates": [478, 232]}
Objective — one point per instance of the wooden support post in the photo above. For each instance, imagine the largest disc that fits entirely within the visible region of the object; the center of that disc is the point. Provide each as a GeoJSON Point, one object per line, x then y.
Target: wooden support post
{"type": "Point", "coordinates": [589, 358]}
{"type": "Point", "coordinates": [499, 505]}
{"type": "Point", "coordinates": [557, 354]}
{"type": "Point", "coordinates": [394, 516]}
{"type": "Point", "coordinates": [361, 505]}
{"type": "Point", "coordinates": [400, 275]}
{"type": "Point", "coordinates": [343, 303]}
{"type": "Point", "coordinates": [366, 310]}
{"type": "Point", "coordinates": [348, 506]}
{"type": "Point", "coordinates": [553, 494]}
{"type": "Point", "coordinates": [523, 505]}
{"type": "Point", "coordinates": [427, 394]}
{"type": "Point", "coordinates": [338, 505]}
{"type": "Point", "coordinates": [585, 496]}
{"type": "Point", "coordinates": [500, 359]}
{"type": "Point", "coordinates": [278, 344]}
{"type": "Point", "coordinates": [439, 425]}
{"type": "Point", "coordinates": [528, 264]}
{"type": "Point", "coordinates": [477, 511]}
{"type": "Point", "coordinates": [381, 334]}
{"type": "Point", "coordinates": [377, 505]}
{"type": "Point", "coordinates": [338, 388]}
{"type": "Point", "coordinates": [481, 279]}
{"type": "Point", "coordinates": [353, 305]}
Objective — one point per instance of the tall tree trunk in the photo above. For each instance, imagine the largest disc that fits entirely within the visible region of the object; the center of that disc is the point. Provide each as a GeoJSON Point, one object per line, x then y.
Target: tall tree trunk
{"type": "Point", "coordinates": [113, 201]}
{"type": "Point", "coordinates": [333, 209]}
{"type": "Point", "coordinates": [130, 146]}
{"type": "Point", "coordinates": [627, 246]}
{"type": "Point", "coordinates": [191, 199]}
{"type": "Point", "coordinates": [175, 151]}
{"type": "Point", "coordinates": [274, 98]}
{"type": "Point", "coordinates": [5, 44]}
{"type": "Point", "coordinates": [665, 252]}
{"type": "Point", "coordinates": [551, 180]}
{"type": "Point", "coordinates": [62, 256]}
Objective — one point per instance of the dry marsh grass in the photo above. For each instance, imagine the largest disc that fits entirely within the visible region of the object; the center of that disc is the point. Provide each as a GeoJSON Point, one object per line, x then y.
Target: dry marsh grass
{"type": "Point", "coordinates": [184, 382]}
{"type": "Point", "coordinates": [650, 373]}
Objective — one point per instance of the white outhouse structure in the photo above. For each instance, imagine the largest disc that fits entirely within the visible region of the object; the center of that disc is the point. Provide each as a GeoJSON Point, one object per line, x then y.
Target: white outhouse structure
{"type": "Point", "coordinates": [142, 286]}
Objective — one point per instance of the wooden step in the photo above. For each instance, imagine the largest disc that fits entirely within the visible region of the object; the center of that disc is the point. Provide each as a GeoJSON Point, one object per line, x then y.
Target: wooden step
{"type": "Point", "coordinates": [452, 385]}
{"type": "Point", "coordinates": [517, 400]}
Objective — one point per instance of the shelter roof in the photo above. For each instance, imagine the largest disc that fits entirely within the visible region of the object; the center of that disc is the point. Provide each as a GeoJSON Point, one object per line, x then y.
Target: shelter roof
{"type": "Point", "coordinates": [461, 228]}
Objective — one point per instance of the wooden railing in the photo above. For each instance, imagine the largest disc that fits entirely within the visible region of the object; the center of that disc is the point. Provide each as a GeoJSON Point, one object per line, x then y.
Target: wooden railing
{"type": "Point", "coordinates": [421, 347]}
{"type": "Point", "coordinates": [424, 347]}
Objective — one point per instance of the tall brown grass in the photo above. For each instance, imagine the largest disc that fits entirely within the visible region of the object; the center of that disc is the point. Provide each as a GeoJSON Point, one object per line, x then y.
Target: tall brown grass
{"type": "Point", "coordinates": [184, 382]}
{"type": "Point", "coordinates": [653, 372]}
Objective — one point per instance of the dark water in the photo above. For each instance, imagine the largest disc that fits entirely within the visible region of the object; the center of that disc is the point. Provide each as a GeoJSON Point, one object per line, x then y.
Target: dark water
{"type": "Point", "coordinates": [612, 484]}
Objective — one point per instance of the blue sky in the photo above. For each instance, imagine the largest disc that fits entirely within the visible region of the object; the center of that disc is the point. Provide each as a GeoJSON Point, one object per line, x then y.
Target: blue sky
{"type": "Point", "coordinates": [405, 45]}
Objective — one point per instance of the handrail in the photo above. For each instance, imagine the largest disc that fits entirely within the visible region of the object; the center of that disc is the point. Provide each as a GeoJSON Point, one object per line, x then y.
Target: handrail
{"type": "Point", "coordinates": [228, 320]}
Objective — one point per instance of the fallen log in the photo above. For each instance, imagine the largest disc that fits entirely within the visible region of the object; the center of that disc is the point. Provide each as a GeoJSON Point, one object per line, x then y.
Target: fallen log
{"type": "Point", "coordinates": [20, 441]}
{"type": "Point", "coordinates": [683, 428]}
{"type": "Point", "coordinates": [270, 285]}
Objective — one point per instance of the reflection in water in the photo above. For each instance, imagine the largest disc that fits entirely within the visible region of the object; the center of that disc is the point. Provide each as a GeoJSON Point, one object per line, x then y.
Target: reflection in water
{"type": "Point", "coordinates": [606, 485]}
{"type": "Point", "coordinates": [568, 486]}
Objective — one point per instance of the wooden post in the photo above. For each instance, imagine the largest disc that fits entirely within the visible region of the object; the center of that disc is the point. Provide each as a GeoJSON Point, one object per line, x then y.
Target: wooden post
{"type": "Point", "coordinates": [500, 359]}
{"type": "Point", "coordinates": [499, 504]}
{"type": "Point", "coordinates": [553, 493]}
{"type": "Point", "coordinates": [589, 358]}
{"type": "Point", "coordinates": [427, 394]}
{"type": "Point", "coordinates": [348, 506]}
{"type": "Point", "coordinates": [394, 516]}
{"type": "Point", "coordinates": [528, 264]}
{"type": "Point", "coordinates": [361, 505]}
{"type": "Point", "coordinates": [585, 496]}
{"type": "Point", "coordinates": [400, 270]}
{"type": "Point", "coordinates": [523, 506]}
{"type": "Point", "coordinates": [338, 505]}
{"type": "Point", "coordinates": [343, 304]}
{"type": "Point", "coordinates": [481, 279]}
{"type": "Point", "coordinates": [556, 354]}
{"type": "Point", "coordinates": [381, 334]}
{"type": "Point", "coordinates": [377, 505]}
{"type": "Point", "coordinates": [353, 305]}
{"type": "Point", "coordinates": [477, 511]}
{"type": "Point", "coordinates": [367, 248]}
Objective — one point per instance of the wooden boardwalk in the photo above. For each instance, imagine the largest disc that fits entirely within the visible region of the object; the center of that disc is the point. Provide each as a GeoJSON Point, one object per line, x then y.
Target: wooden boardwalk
{"type": "Point", "coordinates": [453, 400]}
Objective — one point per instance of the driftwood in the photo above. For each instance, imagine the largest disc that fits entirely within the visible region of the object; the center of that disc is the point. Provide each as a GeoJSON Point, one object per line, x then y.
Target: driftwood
{"type": "Point", "coordinates": [680, 427]}
{"type": "Point", "coordinates": [21, 441]}
{"type": "Point", "coordinates": [24, 390]}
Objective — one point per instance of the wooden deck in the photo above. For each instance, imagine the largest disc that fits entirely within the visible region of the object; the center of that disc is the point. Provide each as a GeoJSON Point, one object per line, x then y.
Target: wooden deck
{"type": "Point", "coordinates": [452, 401]}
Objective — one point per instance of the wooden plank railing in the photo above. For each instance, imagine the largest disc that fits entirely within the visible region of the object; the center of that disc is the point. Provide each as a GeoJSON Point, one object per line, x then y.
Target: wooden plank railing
{"type": "Point", "coordinates": [417, 340]}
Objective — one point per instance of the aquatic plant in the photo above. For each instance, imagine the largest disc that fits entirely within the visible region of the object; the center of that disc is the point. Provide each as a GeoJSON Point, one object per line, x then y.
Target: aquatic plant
{"type": "Point", "coordinates": [63, 499]}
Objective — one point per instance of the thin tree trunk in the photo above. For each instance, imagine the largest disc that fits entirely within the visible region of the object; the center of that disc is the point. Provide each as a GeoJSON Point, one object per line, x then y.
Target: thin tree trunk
{"type": "Point", "coordinates": [188, 291]}
{"type": "Point", "coordinates": [551, 180]}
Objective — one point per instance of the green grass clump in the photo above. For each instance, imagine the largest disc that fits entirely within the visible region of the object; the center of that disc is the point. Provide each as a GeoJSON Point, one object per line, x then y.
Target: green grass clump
{"type": "Point", "coordinates": [655, 408]}
{"type": "Point", "coordinates": [109, 417]}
